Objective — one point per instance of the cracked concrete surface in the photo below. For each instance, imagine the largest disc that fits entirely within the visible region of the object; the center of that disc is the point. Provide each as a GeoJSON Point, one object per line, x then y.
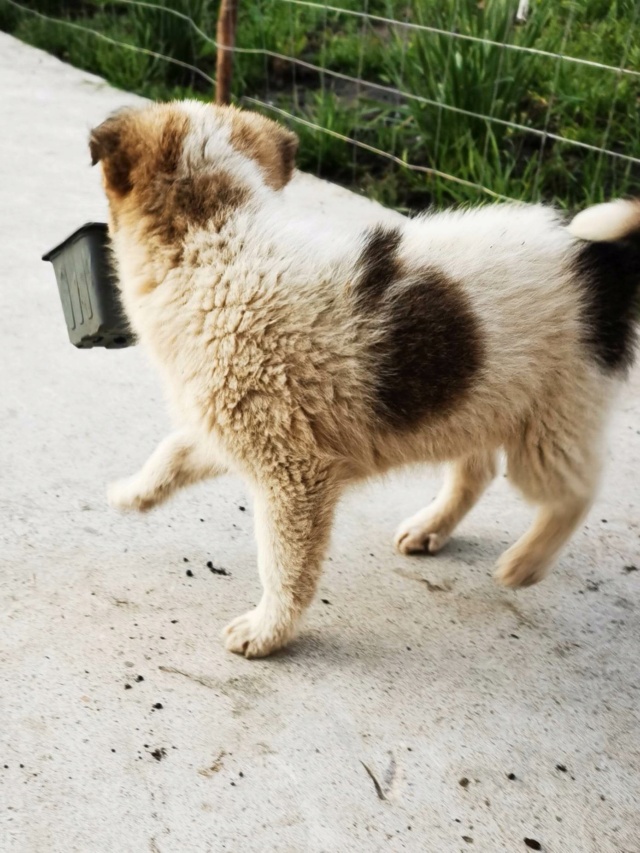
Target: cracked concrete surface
{"type": "Point", "coordinates": [421, 709]}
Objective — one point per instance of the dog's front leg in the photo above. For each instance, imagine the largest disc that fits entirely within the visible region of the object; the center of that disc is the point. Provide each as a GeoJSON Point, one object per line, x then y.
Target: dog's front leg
{"type": "Point", "coordinates": [178, 461]}
{"type": "Point", "coordinates": [293, 515]}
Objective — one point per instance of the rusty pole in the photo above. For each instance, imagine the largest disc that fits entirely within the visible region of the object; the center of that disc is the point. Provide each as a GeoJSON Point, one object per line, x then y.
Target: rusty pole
{"type": "Point", "coordinates": [226, 38]}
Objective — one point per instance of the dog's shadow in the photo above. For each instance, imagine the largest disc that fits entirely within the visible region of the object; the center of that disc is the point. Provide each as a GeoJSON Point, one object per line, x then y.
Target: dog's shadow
{"type": "Point", "coordinates": [441, 619]}
{"type": "Point", "coordinates": [457, 580]}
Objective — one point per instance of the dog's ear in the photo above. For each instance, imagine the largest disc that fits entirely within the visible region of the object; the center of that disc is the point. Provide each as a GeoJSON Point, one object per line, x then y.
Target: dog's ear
{"type": "Point", "coordinates": [107, 144]}
{"type": "Point", "coordinates": [270, 144]}
{"type": "Point", "coordinates": [103, 141]}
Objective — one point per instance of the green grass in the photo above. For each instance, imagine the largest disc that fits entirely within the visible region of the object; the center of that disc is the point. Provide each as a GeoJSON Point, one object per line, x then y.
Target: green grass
{"type": "Point", "coordinates": [588, 105]}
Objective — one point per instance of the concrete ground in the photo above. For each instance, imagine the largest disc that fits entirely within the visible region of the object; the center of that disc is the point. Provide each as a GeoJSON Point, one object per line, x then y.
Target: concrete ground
{"type": "Point", "coordinates": [421, 709]}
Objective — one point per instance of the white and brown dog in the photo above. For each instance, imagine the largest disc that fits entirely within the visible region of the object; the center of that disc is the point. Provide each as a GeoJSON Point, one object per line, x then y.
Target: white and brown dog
{"type": "Point", "coordinates": [307, 356]}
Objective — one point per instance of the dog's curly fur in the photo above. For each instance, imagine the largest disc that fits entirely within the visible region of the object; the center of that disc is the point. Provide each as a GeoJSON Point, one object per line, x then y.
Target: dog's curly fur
{"type": "Point", "coordinates": [307, 356]}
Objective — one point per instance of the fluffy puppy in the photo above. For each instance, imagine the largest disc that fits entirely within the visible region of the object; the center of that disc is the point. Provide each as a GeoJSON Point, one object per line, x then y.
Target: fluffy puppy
{"type": "Point", "coordinates": [307, 354]}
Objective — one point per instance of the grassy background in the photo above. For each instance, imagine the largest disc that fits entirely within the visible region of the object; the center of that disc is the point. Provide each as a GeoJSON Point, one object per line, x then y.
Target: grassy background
{"type": "Point", "coordinates": [572, 101]}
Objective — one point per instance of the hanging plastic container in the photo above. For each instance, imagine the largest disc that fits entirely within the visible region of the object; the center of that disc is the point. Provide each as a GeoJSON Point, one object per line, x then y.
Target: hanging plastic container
{"type": "Point", "coordinates": [88, 289]}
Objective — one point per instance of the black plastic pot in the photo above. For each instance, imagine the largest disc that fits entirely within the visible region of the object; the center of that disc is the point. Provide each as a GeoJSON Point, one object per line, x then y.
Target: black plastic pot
{"type": "Point", "coordinates": [88, 289]}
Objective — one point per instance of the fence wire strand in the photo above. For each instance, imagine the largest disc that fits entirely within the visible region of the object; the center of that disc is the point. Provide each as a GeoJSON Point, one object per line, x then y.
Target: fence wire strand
{"type": "Point", "coordinates": [427, 170]}
{"type": "Point", "coordinates": [552, 97]}
{"type": "Point", "coordinates": [447, 72]}
{"type": "Point", "coordinates": [614, 100]}
{"type": "Point", "coordinates": [462, 36]}
{"type": "Point", "coordinates": [323, 83]}
{"type": "Point", "coordinates": [123, 44]}
{"type": "Point", "coordinates": [494, 94]}
{"type": "Point", "coordinates": [363, 38]}
{"type": "Point", "coordinates": [370, 87]}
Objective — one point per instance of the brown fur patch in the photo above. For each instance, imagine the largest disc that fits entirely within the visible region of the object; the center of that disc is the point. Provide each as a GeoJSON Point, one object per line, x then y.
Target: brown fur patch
{"type": "Point", "coordinates": [428, 345]}
{"type": "Point", "coordinates": [136, 146]}
{"type": "Point", "coordinates": [272, 146]}
{"type": "Point", "coordinates": [172, 137]}
{"type": "Point", "coordinates": [609, 274]}
{"type": "Point", "coordinates": [379, 264]}
{"type": "Point", "coordinates": [174, 205]}
{"type": "Point", "coordinates": [141, 156]}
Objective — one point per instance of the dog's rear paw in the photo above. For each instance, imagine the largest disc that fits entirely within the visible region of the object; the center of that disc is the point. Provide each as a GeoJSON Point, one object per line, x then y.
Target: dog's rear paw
{"type": "Point", "coordinates": [124, 495]}
{"type": "Point", "coordinates": [414, 536]}
{"type": "Point", "coordinates": [517, 569]}
{"type": "Point", "coordinates": [256, 635]}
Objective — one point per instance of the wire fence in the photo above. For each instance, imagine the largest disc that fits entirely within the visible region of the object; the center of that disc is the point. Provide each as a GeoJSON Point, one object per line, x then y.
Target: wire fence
{"type": "Point", "coordinates": [411, 101]}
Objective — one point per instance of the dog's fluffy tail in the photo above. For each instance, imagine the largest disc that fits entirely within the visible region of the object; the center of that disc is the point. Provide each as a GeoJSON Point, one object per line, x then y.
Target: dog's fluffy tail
{"type": "Point", "coordinates": [608, 222]}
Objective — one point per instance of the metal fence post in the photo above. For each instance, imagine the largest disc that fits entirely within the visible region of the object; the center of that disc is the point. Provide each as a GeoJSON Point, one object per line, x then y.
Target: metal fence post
{"type": "Point", "coordinates": [226, 38]}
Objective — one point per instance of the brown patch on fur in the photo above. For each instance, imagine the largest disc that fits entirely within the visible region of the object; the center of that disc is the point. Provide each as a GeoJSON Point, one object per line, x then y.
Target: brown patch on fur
{"type": "Point", "coordinates": [427, 344]}
{"type": "Point", "coordinates": [141, 154]}
{"type": "Point", "coordinates": [172, 138]}
{"type": "Point", "coordinates": [134, 146]}
{"type": "Point", "coordinates": [609, 274]}
{"type": "Point", "coordinates": [175, 205]}
{"type": "Point", "coordinates": [380, 264]}
{"type": "Point", "coordinates": [272, 146]}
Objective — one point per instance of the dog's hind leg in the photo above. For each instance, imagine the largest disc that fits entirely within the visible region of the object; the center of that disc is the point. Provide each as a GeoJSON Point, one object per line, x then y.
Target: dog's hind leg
{"type": "Point", "coordinates": [293, 513]}
{"type": "Point", "coordinates": [465, 481]}
{"type": "Point", "coordinates": [529, 560]}
{"type": "Point", "coordinates": [558, 470]}
{"type": "Point", "coordinates": [178, 461]}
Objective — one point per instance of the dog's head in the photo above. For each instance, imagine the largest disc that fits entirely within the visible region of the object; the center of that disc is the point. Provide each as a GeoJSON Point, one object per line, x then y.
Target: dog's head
{"type": "Point", "coordinates": [188, 161]}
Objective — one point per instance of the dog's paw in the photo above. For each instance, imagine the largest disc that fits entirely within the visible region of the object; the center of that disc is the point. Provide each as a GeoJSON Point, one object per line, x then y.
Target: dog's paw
{"type": "Point", "coordinates": [126, 496]}
{"type": "Point", "coordinates": [517, 569]}
{"type": "Point", "coordinates": [418, 535]}
{"type": "Point", "coordinates": [256, 634]}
